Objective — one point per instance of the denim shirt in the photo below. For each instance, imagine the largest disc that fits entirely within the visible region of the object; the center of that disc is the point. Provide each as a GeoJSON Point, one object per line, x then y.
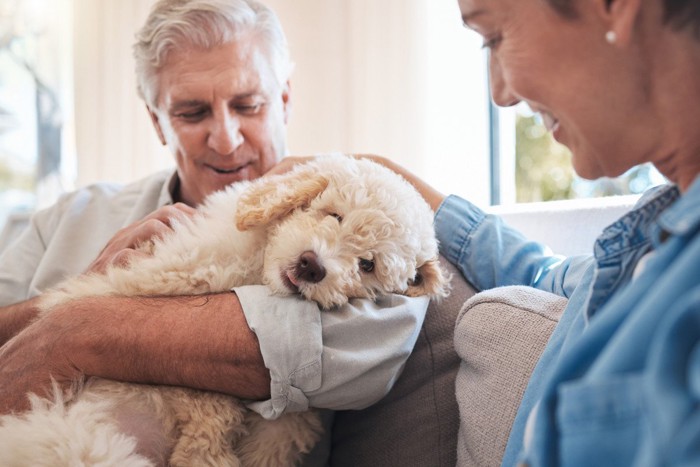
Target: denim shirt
{"type": "Point", "coordinates": [619, 381]}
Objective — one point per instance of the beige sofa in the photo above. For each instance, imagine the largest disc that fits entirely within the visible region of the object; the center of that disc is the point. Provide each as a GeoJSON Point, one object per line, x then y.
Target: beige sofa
{"type": "Point", "coordinates": [458, 395]}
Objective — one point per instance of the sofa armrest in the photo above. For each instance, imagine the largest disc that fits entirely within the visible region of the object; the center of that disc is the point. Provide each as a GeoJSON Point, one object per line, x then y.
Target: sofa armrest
{"type": "Point", "coordinates": [499, 336]}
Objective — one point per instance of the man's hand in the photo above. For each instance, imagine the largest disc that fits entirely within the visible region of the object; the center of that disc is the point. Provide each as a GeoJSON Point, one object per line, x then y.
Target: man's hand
{"type": "Point", "coordinates": [123, 246]}
{"type": "Point", "coordinates": [16, 317]}
{"type": "Point", "coordinates": [23, 371]}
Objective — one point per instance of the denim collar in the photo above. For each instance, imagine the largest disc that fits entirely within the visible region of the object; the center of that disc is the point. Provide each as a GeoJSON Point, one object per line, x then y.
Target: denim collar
{"type": "Point", "coordinates": [634, 229]}
{"type": "Point", "coordinates": [683, 218]}
{"type": "Point", "coordinates": [621, 245]}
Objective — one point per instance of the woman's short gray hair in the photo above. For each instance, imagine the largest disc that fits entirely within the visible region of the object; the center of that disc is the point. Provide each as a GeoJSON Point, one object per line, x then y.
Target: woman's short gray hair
{"type": "Point", "coordinates": [205, 24]}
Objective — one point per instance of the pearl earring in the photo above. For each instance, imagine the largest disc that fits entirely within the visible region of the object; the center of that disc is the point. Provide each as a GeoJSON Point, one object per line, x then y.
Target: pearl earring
{"type": "Point", "coordinates": [611, 37]}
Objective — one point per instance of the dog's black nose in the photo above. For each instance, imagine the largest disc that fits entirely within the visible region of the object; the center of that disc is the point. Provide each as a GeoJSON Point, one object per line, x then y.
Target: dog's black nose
{"type": "Point", "coordinates": [309, 269]}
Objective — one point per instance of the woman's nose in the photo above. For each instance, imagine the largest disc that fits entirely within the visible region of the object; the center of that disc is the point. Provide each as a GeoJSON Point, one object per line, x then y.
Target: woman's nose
{"type": "Point", "coordinates": [501, 93]}
{"type": "Point", "coordinates": [225, 134]}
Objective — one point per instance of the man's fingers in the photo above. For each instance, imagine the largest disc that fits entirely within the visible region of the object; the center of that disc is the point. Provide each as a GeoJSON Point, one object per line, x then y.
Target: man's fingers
{"type": "Point", "coordinates": [120, 249]}
{"type": "Point", "coordinates": [124, 257]}
{"type": "Point", "coordinates": [167, 213]}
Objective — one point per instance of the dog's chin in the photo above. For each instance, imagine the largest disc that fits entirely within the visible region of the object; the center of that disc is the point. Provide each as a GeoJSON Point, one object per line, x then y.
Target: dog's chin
{"type": "Point", "coordinates": [324, 299]}
{"type": "Point", "coordinates": [288, 282]}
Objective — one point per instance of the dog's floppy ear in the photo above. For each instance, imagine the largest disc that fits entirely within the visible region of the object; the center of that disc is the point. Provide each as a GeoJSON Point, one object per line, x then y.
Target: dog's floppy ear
{"type": "Point", "coordinates": [272, 198]}
{"type": "Point", "coordinates": [430, 280]}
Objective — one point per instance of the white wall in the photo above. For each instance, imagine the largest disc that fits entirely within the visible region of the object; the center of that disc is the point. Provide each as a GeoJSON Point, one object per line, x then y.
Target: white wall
{"type": "Point", "coordinates": [114, 137]}
{"type": "Point", "coordinates": [396, 77]}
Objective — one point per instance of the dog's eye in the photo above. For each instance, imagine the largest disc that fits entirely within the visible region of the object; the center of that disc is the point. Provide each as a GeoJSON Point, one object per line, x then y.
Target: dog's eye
{"type": "Point", "coordinates": [417, 281]}
{"type": "Point", "coordinates": [338, 217]}
{"type": "Point", "coordinates": [367, 265]}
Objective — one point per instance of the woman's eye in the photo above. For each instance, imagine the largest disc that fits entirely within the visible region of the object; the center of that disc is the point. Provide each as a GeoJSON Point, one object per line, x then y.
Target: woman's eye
{"type": "Point", "coordinates": [337, 217]}
{"type": "Point", "coordinates": [491, 42]}
{"type": "Point", "coordinates": [367, 265]}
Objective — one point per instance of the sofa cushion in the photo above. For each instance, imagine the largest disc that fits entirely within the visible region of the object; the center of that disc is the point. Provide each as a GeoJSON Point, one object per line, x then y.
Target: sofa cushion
{"type": "Point", "coordinates": [416, 423]}
{"type": "Point", "coordinates": [500, 335]}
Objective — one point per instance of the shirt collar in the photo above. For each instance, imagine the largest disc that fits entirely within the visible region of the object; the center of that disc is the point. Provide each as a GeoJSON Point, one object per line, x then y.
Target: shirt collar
{"type": "Point", "coordinates": [170, 187]}
{"type": "Point", "coordinates": [632, 231]}
{"type": "Point", "coordinates": [683, 217]}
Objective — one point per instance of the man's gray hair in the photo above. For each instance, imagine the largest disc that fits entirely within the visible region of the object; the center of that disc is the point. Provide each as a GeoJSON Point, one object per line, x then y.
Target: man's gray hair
{"type": "Point", "coordinates": [205, 24]}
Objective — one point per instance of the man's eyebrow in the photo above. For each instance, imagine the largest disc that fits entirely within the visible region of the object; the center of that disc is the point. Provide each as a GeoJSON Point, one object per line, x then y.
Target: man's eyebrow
{"type": "Point", "coordinates": [245, 95]}
{"type": "Point", "coordinates": [186, 104]}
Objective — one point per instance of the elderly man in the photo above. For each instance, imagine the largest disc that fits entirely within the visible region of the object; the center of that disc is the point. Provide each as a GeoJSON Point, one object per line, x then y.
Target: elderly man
{"type": "Point", "coordinates": [214, 77]}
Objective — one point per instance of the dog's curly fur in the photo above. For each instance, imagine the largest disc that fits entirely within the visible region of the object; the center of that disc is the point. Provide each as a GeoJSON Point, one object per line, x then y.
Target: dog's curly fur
{"type": "Point", "coordinates": [331, 229]}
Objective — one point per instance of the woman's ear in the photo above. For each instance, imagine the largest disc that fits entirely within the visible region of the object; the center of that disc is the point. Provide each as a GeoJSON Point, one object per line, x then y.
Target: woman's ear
{"type": "Point", "coordinates": [271, 198]}
{"type": "Point", "coordinates": [620, 17]}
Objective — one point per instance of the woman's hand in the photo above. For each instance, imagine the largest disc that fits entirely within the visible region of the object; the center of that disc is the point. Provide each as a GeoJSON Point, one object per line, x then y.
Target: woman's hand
{"type": "Point", "coordinates": [432, 196]}
{"type": "Point", "coordinates": [287, 163]}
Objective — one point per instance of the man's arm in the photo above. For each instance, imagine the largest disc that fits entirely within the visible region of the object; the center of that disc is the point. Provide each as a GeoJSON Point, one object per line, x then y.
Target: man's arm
{"type": "Point", "coordinates": [202, 342]}
{"type": "Point", "coordinates": [15, 318]}
{"type": "Point", "coordinates": [346, 358]}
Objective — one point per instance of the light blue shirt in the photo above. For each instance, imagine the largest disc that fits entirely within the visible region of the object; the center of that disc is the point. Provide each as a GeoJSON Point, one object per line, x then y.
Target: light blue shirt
{"type": "Point", "coordinates": [619, 381]}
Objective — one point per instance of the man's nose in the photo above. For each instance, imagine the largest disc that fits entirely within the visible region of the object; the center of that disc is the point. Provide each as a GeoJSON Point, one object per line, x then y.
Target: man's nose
{"type": "Point", "coordinates": [225, 133]}
{"type": "Point", "coordinates": [501, 92]}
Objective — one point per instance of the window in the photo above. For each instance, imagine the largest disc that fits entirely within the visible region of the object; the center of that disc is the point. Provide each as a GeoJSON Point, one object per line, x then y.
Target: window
{"type": "Point", "coordinates": [541, 167]}
{"type": "Point", "coordinates": [35, 69]}
{"type": "Point", "coordinates": [402, 79]}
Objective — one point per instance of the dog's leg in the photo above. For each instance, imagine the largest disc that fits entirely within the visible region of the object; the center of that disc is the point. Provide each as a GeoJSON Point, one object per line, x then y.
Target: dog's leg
{"type": "Point", "coordinates": [55, 435]}
{"type": "Point", "coordinates": [271, 443]}
{"type": "Point", "coordinates": [144, 427]}
{"type": "Point", "coordinates": [140, 412]}
{"type": "Point", "coordinates": [208, 425]}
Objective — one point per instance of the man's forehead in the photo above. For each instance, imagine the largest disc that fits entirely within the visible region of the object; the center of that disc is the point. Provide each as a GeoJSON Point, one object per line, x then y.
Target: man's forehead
{"type": "Point", "coordinates": [231, 70]}
{"type": "Point", "coordinates": [188, 93]}
{"type": "Point", "coordinates": [203, 90]}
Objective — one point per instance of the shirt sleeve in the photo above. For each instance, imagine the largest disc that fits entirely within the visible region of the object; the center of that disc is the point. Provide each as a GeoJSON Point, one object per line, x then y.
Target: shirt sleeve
{"type": "Point", "coordinates": [491, 254]}
{"type": "Point", "coordinates": [18, 263]}
{"type": "Point", "coordinates": [347, 358]}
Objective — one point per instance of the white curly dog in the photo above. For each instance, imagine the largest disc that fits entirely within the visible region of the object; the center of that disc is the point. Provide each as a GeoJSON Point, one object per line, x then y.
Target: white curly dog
{"type": "Point", "coordinates": [334, 228]}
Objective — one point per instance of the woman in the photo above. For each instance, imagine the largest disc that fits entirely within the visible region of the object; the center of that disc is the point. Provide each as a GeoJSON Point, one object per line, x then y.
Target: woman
{"type": "Point", "coordinates": [618, 82]}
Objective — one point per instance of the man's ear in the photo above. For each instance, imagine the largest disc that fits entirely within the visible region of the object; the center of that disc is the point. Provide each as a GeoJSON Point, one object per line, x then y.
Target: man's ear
{"type": "Point", "coordinates": [620, 17]}
{"type": "Point", "coordinates": [156, 125]}
{"type": "Point", "coordinates": [286, 102]}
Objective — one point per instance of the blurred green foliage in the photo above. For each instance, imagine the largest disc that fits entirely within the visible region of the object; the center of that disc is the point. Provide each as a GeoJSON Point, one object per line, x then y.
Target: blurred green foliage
{"type": "Point", "coordinates": [543, 169]}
